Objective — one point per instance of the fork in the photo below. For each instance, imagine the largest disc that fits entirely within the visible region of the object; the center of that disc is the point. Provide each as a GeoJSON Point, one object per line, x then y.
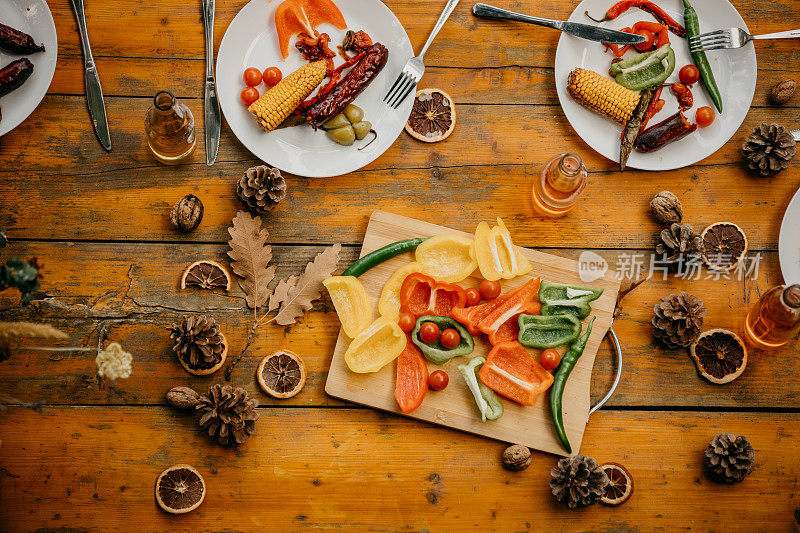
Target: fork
{"type": "Point", "coordinates": [415, 68]}
{"type": "Point", "coordinates": [732, 38]}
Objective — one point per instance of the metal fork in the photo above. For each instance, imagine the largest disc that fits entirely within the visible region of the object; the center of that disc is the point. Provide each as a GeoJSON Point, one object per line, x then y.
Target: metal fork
{"type": "Point", "coordinates": [732, 38]}
{"type": "Point", "coordinates": [415, 68]}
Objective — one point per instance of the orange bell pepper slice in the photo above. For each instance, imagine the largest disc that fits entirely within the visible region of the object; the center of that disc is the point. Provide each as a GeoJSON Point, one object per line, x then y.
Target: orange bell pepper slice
{"type": "Point", "coordinates": [514, 303]}
{"type": "Point", "coordinates": [511, 371]}
{"type": "Point", "coordinates": [302, 16]}
{"type": "Point", "coordinates": [422, 295]}
{"type": "Point", "coordinates": [509, 330]}
{"type": "Point", "coordinates": [412, 378]}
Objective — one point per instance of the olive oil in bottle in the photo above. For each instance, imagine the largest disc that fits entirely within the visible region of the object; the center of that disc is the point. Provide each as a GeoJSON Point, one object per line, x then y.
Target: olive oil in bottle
{"type": "Point", "coordinates": [561, 182]}
{"type": "Point", "coordinates": [775, 319]}
{"type": "Point", "coordinates": [169, 126]}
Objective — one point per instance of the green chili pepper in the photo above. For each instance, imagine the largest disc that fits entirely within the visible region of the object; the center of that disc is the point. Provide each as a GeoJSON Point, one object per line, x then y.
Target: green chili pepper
{"type": "Point", "coordinates": [542, 332]}
{"type": "Point", "coordinates": [435, 352]}
{"type": "Point", "coordinates": [488, 402]}
{"type": "Point", "coordinates": [700, 60]}
{"type": "Point", "coordinates": [560, 299]}
{"type": "Point", "coordinates": [645, 70]}
{"type": "Point", "coordinates": [380, 255]}
{"type": "Point", "coordinates": [560, 380]}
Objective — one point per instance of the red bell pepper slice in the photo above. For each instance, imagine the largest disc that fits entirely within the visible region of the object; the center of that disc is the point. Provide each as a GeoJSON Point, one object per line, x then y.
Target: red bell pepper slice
{"type": "Point", "coordinates": [422, 295]}
{"type": "Point", "coordinates": [509, 330]}
{"type": "Point", "coordinates": [510, 370]}
{"type": "Point", "coordinates": [412, 378]}
{"type": "Point", "coordinates": [513, 304]}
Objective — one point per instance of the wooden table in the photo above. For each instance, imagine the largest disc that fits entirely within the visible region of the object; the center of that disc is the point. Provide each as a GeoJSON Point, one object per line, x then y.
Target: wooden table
{"type": "Point", "coordinates": [98, 223]}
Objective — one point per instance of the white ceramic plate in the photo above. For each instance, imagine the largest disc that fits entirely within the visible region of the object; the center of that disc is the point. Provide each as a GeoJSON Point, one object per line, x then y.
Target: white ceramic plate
{"type": "Point", "coordinates": [789, 242]}
{"type": "Point", "coordinates": [34, 18]}
{"type": "Point", "coordinates": [734, 70]}
{"type": "Point", "coordinates": [251, 41]}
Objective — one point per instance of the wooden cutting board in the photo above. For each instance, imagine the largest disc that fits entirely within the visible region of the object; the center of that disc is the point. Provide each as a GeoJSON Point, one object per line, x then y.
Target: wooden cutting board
{"type": "Point", "coordinates": [455, 407]}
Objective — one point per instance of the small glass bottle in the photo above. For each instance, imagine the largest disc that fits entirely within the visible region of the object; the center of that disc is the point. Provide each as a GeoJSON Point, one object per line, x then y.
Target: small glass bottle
{"type": "Point", "coordinates": [169, 125]}
{"type": "Point", "coordinates": [561, 182]}
{"type": "Point", "coordinates": [775, 319]}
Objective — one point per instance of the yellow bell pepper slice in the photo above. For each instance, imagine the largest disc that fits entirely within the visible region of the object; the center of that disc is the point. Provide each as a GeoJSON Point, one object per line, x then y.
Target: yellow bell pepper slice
{"type": "Point", "coordinates": [496, 254]}
{"type": "Point", "coordinates": [349, 297]}
{"type": "Point", "coordinates": [447, 258]}
{"type": "Point", "coordinates": [389, 303]}
{"type": "Point", "coordinates": [375, 347]}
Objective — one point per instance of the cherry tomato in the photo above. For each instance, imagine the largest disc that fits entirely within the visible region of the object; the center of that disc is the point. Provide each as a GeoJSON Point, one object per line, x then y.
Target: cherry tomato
{"type": "Point", "coordinates": [407, 322]}
{"type": "Point", "coordinates": [550, 359]}
{"type": "Point", "coordinates": [473, 297]}
{"type": "Point", "coordinates": [249, 95]}
{"type": "Point", "coordinates": [252, 77]}
{"type": "Point", "coordinates": [689, 75]}
{"type": "Point", "coordinates": [438, 379]}
{"type": "Point", "coordinates": [428, 332]}
{"type": "Point", "coordinates": [272, 76]}
{"type": "Point", "coordinates": [705, 117]}
{"type": "Point", "coordinates": [648, 42]}
{"type": "Point", "coordinates": [490, 289]}
{"type": "Point", "coordinates": [450, 338]}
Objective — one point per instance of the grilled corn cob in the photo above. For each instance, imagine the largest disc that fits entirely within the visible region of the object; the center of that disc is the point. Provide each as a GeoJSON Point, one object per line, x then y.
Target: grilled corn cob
{"type": "Point", "coordinates": [601, 95]}
{"type": "Point", "coordinates": [278, 103]}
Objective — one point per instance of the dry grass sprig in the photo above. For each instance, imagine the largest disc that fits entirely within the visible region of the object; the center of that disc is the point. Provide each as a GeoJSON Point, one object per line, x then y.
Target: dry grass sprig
{"type": "Point", "coordinates": [29, 330]}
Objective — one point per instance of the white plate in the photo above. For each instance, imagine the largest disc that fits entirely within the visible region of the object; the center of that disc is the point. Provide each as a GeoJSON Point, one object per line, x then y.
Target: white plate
{"type": "Point", "coordinates": [34, 18]}
{"type": "Point", "coordinates": [734, 70]}
{"type": "Point", "coordinates": [251, 41]}
{"type": "Point", "coordinates": [789, 242]}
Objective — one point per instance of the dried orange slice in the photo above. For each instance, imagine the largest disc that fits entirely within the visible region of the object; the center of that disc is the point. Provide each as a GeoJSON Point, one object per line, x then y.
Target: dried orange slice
{"type": "Point", "coordinates": [281, 374]}
{"type": "Point", "coordinates": [206, 274]}
{"type": "Point", "coordinates": [433, 116]}
{"type": "Point", "coordinates": [180, 489]}
{"type": "Point", "coordinates": [720, 355]}
{"type": "Point", "coordinates": [448, 258]}
{"type": "Point", "coordinates": [724, 246]}
{"type": "Point", "coordinates": [620, 485]}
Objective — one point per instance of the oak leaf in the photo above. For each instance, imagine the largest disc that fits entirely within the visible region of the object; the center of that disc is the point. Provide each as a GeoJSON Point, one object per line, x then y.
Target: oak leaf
{"type": "Point", "coordinates": [295, 295]}
{"type": "Point", "coordinates": [251, 256]}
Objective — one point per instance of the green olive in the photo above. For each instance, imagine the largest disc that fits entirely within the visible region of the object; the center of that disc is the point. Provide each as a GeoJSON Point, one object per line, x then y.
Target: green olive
{"type": "Point", "coordinates": [354, 113]}
{"type": "Point", "coordinates": [344, 136]}
{"type": "Point", "coordinates": [361, 129]}
{"type": "Point", "coordinates": [339, 121]}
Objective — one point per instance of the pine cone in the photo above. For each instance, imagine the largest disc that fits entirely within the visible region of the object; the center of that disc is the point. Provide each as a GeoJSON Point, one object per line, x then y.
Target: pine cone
{"type": "Point", "coordinates": [578, 481]}
{"type": "Point", "coordinates": [769, 149]}
{"type": "Point", "coordinates": [228, 414]}
{"type": "Point", "coordinates": [261, 188]}
{"type": "Point", "coordinates": [679, 243]}
{"type": "Point", "coordinates": [729, 458]}
{"type": "Point", "coordinates": [678, 319]}
{"type": "Point", "coordinates": [198, 342]}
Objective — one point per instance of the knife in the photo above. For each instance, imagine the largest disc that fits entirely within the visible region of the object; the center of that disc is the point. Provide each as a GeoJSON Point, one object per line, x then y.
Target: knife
{"type": "Point", "coordinates": [796, 134]}
{"type": "Point", "coordinates": [213, 119]}
{"type": "Point", "coordinates": [94, 92]}
{"type": "Point", "coordinates": [584, 31]}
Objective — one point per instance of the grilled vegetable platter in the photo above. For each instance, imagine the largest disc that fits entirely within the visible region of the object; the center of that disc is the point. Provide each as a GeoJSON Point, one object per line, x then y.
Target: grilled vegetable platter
{"type": "Point", "coordinates": [469, 331]}
{"type": "Point", "coordinates": [654, 106]}
{"type": "Point", "coordinates": [301, 82]}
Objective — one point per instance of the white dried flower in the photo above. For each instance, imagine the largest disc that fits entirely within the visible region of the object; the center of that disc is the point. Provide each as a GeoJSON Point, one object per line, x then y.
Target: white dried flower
{"type": "Point", "coordinates": [114, 362]}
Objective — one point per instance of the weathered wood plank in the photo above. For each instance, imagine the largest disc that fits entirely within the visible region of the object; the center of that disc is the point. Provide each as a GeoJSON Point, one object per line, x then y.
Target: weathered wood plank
{"type": "Point", "coordinates": [93, 469]}
{"type": "Point", "coordinates": [132, 288]}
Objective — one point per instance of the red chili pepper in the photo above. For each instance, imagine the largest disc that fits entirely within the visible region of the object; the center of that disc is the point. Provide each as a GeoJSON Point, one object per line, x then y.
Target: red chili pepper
{"type": "Point", "coordinates": [422, 295]}
{"type": "Point", "coordinates": [646, 5]}
{"type": "Point", "coordinates": [656, 105]}
{"type": "Point", "coordinates": [684, 96]}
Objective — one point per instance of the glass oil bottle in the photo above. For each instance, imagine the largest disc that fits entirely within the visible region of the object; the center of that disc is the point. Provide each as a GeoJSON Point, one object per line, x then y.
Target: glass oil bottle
{"type": "Point", "coordinates": [561, 182]}
{"type": "Point", "coordinates": [169, 126]}
{"type": "Point", "coordinates": [775, 319]}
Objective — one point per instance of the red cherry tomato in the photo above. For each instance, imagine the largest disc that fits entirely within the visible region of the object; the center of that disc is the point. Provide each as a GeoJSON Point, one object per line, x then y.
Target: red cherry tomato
{"type": "Point", "coordinates": [438, 379]}
{"type": "Point", "coordinates": [705, 117]}
{"type": "Point", "coordinates": [428, 332]}
{"type": "Point", "coordinates": [689, 75]}
{"type": "Point", "coordinates": [550, 359]}
{"type": "Point", "coordinates": [272, 76]}
{"type": "Point", "coordinates": [249, 95]}
{"type": "Point", "coordinates": [450, 338]}
{"type": "Point", "coordinates": [473, 297]}
{"type": "Point", "coordinates": [649, 40]}
{"type": "Point", "coordinates": [252, 77]}
{"type": "Point", "coordinates": [489, 289]}
{"type": "Point", "coordinates": [407, 322]}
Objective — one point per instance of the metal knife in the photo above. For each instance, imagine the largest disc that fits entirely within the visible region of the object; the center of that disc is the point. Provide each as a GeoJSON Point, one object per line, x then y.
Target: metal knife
{"type": "Point", "coordinates": [94, 93]}
{"type": "Point", "coordinates": [796, 134]}
{"type": "Point", "coordinates": [584, 31]}
{"type": "Point", "coordinates": [213, 118]}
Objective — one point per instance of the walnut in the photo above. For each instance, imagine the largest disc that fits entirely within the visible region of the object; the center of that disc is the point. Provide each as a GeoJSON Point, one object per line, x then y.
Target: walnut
{"type": "Point", "coordinates": [183, 398]}
{"type": "Point", "coordinates": [516, 458]}
{"type": "Point", "coordinates": [782, 92]}
{"type": "Point", "coordinates": [666, 208]}
{"type": "Point", "coordinates": [187, 213]}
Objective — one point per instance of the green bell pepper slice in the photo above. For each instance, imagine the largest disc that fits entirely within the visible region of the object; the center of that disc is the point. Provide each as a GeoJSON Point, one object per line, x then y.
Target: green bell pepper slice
{"type": "Point", "coordinates": [435, 352]}
{"type": "Point", "coordinates": [645, 70]}
{"type": "Point", "coordinates": [488, 402]}
{"type": "Point", "coordinates": [560, 299]}
{"type": "Point", "coordinates": [543, 332]}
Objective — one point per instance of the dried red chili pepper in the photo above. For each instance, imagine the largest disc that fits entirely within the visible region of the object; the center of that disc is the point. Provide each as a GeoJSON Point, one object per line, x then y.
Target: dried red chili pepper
{"type": "Point", "coordinates": [656, 105]}
{"type": "Point", "coordinates": [684, 96]}
{"type": "Point", "coordinates": [645, 5]}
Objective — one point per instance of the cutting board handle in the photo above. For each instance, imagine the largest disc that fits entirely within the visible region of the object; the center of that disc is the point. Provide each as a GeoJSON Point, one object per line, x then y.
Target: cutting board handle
{"type": "Point", "coordinates": [618, 349]}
